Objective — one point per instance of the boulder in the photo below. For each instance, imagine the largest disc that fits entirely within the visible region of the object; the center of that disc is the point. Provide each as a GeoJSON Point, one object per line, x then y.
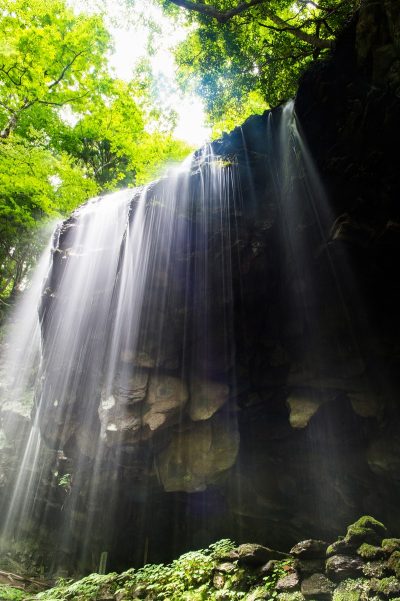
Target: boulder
{"type": "Point", "coordinates": [165, 399]}
{"type": "Point", "coordinates": [370, 552]}
{"type": "Point", "coordinates": [394, 563]}
{"type": "Point", "coordinates": [130, 386]}
{"type": "Point", "coordinates": [206, 397]}
{"type": "Point", "coordinates": [317, 587]}
{"type": "Point", "coordinates": [303, 405]}
{"type": "Point", "coordinates": [198, 454]}
{"type": "Point", "coordinates": [289, 583]}
{"type": "Point", "coordinates": [306, 567]}
{"type": "Point", "coordinates": [166, 393]}
{"type": "Point", "coordinates": [309, 549]}
{"type": "Point", "coordinates": [388, 588]}
{"type": "Point", "coordinates": [340, 567]}
{"type": "Point", "coordinates": [341, 547]}
{"type": "Point", "coordinates": [391, 544]}
{"type": "Point", "coordinates": [365, 530]}
{"type": "Point", "coordinates": [257, 555]}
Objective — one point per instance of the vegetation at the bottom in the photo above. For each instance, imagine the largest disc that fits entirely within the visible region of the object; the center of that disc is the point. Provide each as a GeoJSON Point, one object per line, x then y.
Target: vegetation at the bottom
{"type": "Point", "coordinates": [191, 577]}
{"type": "Point", "coordinates": [10, 593]}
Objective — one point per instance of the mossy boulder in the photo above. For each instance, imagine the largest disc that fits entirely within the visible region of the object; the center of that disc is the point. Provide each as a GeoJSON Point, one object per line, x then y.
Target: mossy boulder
{"type": "Point", "coordinates": [394, 563]}
{"type": "Point", "coordinates": [257, 555]}
{"type": "Point", "coordinates": [370, 552]}
{"type": "Point", "coordinates": [351, 590]}
{"type": "Point", "coordinates": [309, 549]}
{"type": "Point", "coordinates": [391, 544]}
{"type": "Point", "coordinates": [365, 530]}
{"type": "Point", "coordinates": [387, 588]}
{"type": "Point", "coordinates": [340, 547]}
{"type": "Point", "coordinates": [376, 569]}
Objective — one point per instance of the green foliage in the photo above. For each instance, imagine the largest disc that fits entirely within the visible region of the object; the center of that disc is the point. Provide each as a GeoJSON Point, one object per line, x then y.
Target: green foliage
{"type": "Point", "coordinates": [9, 593]}
{"type": "Point", "coordinates": [258, 53]}
{"type": "Point", "coordinates": [87, 589]}
{"type": "Point", "coordinates": [280, 569]}
{"type": "Point", "coordinates": [65, 481]}
{"type": "Point", "coordinates": [189, 578]}
{"type": "Point", "coordinates": [49, 57]}
{"type": "Point", "coordinates": [68, 130]}
{"type": "Point", "coordinates": [386, 586]}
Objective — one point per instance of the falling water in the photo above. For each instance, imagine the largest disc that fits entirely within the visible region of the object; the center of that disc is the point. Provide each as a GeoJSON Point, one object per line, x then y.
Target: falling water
{"type": "Point", "coordinates": [137, 386]}
{"type": "Point", "coordinates": [131, 329]}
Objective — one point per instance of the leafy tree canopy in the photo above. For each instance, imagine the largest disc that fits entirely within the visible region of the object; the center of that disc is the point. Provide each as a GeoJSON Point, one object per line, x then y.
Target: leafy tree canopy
{"type": "Point", "coordinates": [247, 53]}
{"type": "Point", "coordinates": [68, 129]}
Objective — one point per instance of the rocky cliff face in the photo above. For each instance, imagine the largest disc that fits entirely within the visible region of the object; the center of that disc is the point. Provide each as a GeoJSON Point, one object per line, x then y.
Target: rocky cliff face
{"type": "Point", "coordinates": [297, 431]}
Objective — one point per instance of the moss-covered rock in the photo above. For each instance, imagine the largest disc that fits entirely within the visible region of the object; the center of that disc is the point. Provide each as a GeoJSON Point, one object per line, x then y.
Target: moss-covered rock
{"type": "Point", "coordinates": [309, 549]}
{"type": "Point", "coordinates": [297, 596]}
{"type": "Point", "coordinates": [391, 544]}
{"type": "Point", "coordinates": [257, 555]}
{"type": "Point", "coordinates": [394, 563]}
{"type": "Point", "coordinates": [387, 588]}
{"type": "Point", "coordinates": [340, 547]}
{"type": "Point", "coordinates": [375, 569]}
{"type": "Point", "coordinates": [365, 530]}
{"type": "Point", "coordinates": [351, 590]}
{"type": "Point", "coordinates": [370, 552]}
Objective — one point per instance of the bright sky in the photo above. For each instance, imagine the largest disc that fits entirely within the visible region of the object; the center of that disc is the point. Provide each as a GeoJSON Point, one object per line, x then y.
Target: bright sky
{"type": "Point", "coordinates": [130, 44]}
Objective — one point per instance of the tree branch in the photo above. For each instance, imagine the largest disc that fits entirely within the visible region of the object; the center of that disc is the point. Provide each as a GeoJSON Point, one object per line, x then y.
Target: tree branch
{"type": "Point", "coordinates": [223, 16]}
{"type": "Point", "coordinates": [65, 69]}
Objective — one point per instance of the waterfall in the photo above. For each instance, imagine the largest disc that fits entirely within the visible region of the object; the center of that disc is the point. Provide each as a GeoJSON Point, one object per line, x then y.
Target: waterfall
{"type": "Point", "coordinates": [137, 350]}
{"type": "Point", "coordinates": [151, 343]}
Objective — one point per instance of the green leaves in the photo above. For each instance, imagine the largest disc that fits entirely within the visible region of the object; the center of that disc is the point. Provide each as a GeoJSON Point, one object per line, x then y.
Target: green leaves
{"type": "Point", "coordinates": [68, 129]}
{"type": "Point", "coordinates": [238, 50]}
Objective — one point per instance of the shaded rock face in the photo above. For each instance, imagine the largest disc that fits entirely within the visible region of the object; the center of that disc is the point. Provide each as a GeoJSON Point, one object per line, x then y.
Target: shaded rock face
{"type": "Point", "coordinates": [295, 429]}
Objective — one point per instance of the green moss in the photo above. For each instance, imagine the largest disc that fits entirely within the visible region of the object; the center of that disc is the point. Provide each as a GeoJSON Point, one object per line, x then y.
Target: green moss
{"type": "Point", "coordinates": [346, 596]}
{"type": "Point", "coordinates": [367, 551]}
{"type": "Point", "coordinates": [9, 593]}
{"type": "Point", "coordinates": [394, 563]}
{"type": "Point", "coordinates": [87, 589]}
{"type": "Point", "coordinates": [192, 577]}
{"type": "Point", "coordinates": [351, 590]}
{"type": "Point", "coordinates": [386, 586]}
{"type": "Point", "coordinates": [365, 530]}
{"type": "Point", "coordinates": [375, 569]}
{"type": "Point", "coordinates": [391, 544]}
{"type": "Point", "coordinates": [297, 596]}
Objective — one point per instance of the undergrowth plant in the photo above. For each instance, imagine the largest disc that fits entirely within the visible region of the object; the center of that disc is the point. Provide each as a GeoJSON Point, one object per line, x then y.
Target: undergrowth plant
{"type": "Point", "coordinates": [191, 577]}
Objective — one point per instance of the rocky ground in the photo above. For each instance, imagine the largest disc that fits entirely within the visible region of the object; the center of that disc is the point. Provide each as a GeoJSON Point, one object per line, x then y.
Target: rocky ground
{"type": "Point", "coordinates": [362, 565]}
